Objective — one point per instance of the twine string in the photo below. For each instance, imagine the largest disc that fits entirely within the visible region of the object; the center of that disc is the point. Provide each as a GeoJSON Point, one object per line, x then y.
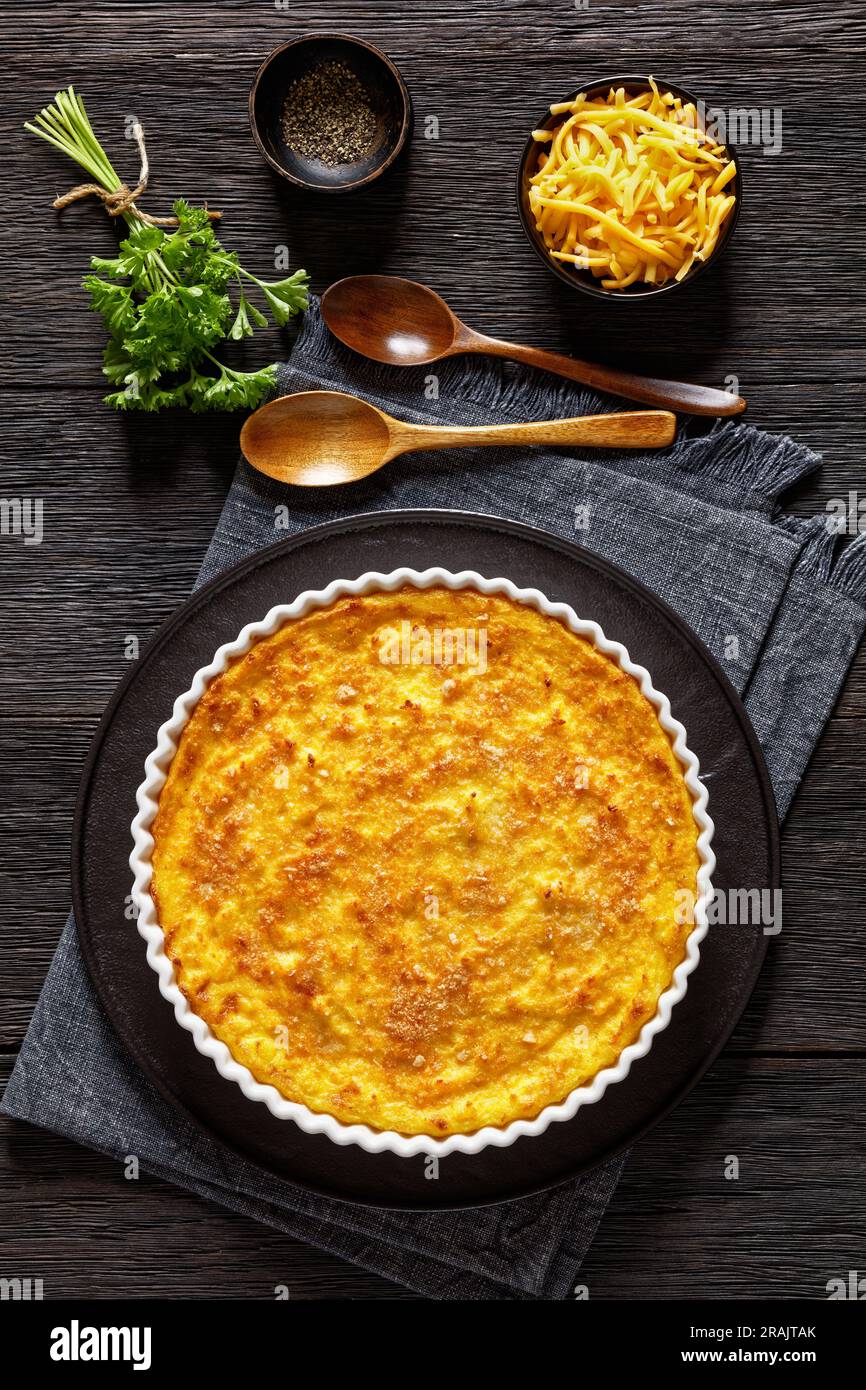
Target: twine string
{"type": "Point", "coordinates": [121, 200]}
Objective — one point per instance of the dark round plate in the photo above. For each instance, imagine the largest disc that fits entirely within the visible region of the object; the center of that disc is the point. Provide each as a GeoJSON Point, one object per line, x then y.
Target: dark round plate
{"type": "Point", "coordinates": [741, 803]}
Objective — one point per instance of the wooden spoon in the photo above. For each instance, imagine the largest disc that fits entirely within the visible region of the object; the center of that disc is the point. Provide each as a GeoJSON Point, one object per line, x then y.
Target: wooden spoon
{"type": "Point", "coordinates": [407, 325]}
{"type": "Point", "coordinates": [318, 438]}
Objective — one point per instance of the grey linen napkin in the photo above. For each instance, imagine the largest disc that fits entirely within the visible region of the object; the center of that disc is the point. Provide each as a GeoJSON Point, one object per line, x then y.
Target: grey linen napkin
{"type": "Point", "coordinates": [701, 526]}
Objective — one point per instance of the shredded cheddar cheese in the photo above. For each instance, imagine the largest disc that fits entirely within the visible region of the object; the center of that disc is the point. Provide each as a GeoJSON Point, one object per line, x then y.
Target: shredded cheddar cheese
{"type": "Point", "coordinates": [631, 189]}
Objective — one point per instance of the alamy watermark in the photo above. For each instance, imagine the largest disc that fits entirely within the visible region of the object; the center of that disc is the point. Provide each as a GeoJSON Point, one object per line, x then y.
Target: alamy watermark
{"type": "Point", "coordinates": [853, 1286]}
{"type": "Point", "coordinates": [411, 644]}
{"type": "Point", "coordinates": [736, 907]}
{"type": "Point", "coordinates": [846, 516]}
{"type": "Point", "coordinates": [21, 1290]}
{"type": "Point", "coordinates": [738, 125]}
{"type": "Point", "coordinates": [23, 516]}
{"type": "Point", "coordinates": [77, 1343]}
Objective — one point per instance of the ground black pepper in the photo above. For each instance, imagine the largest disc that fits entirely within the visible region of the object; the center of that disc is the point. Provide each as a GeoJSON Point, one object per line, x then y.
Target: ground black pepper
{"type": "Point", "coordinates": [327, 115]}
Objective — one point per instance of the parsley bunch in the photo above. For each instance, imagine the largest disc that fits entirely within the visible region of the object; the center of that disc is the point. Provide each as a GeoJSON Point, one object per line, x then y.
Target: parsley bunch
{"type": "Point", "coordinates": [164, 298]}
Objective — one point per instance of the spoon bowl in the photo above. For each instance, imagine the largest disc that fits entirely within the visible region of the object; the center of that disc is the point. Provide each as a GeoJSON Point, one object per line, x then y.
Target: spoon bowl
{"type": "Point", "coordinates": [395, 321]}
{"type": "Point", "coordinates": [316, 438]}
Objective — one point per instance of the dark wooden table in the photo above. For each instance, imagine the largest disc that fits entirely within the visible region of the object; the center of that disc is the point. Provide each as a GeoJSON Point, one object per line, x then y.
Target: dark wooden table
{"type": "Point", "coordinates": [131, 502]}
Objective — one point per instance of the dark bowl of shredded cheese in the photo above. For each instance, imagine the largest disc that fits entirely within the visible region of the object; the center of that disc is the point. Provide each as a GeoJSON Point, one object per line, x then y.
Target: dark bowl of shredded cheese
{"type": "Point", "coordinates": [329, 112]}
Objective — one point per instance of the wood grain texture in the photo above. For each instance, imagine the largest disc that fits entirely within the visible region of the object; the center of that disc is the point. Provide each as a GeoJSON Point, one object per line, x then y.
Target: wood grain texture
{"type": "Point", "coordinates": [676, 1228]}
{"type": "Point", "coordinates": [131, 504]}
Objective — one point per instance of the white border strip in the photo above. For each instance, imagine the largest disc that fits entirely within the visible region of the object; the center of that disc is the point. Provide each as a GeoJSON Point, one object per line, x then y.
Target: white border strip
{"type": "Point", "coordinates": [156, 770]}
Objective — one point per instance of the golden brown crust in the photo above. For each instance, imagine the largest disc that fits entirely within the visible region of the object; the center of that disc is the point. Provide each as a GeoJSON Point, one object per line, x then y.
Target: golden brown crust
{"type": "Point", "coordinates": [424, 897]}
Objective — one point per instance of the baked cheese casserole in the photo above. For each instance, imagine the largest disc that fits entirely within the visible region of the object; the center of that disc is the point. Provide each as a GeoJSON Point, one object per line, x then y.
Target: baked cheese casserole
{"type": "Point", "coordinates": [420, 858]}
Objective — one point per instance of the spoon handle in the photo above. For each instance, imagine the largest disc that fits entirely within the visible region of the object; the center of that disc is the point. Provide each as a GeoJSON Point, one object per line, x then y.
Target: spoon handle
{"type": "Point", "coordinates": [672, 395]}
{"type": "Point", "coordinates": [634, 429]}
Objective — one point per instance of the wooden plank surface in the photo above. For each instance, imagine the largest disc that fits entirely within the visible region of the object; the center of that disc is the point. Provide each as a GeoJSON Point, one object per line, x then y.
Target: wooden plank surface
{"type": "Point", "coordinates": [131, 503]}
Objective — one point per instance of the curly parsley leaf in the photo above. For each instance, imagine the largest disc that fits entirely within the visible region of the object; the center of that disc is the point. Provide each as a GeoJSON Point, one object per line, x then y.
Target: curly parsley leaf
{"type": "Point", "coordinates": [174, 308]}
{"type": "Point", "coordinates": [170, 296]}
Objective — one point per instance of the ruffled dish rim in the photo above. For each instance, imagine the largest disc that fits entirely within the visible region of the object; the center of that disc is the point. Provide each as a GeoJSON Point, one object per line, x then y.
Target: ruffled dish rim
{"type": "Point", "coordinates": [314, 1122]}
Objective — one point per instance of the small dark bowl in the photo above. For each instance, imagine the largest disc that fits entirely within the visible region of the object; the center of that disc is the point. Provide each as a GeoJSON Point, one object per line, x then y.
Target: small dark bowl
{"type": "Point", "coordinates": [386, 91]}
{"type": "Point", "coordinates": [584, 280]}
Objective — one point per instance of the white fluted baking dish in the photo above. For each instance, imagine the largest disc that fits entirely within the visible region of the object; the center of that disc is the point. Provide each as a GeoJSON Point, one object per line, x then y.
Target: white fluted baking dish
{"type": "Point", "coordinates": [155, 773]}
